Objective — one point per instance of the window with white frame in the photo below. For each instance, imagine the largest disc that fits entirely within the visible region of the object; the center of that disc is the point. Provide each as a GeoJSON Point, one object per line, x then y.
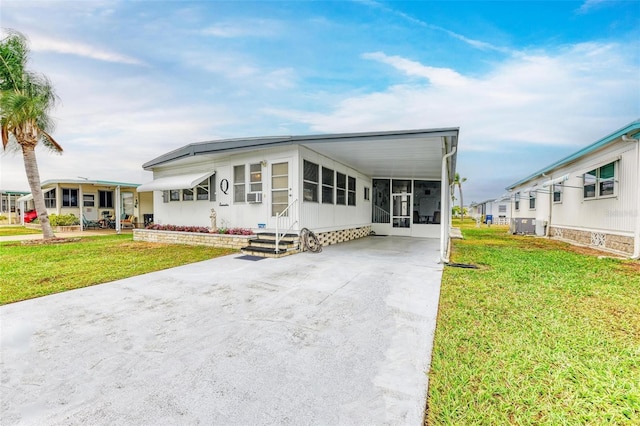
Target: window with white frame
{"type": "Point", "coordinates": [239, 187]}
{"type": "Point", "coordinates": [310, 181]}
{"type": "Point", "coordinates": [502, 208]}
{"type": "Point", "coordinates": [557, 193]}
{"type": "Point", "coordinates": [203, 188]}
{"type": "Point", "coordinates": [69, 197]}
{"type": "Point", "coordinates": [517, 201]}
{"type": "Point", "coordinates": [327, 185]}
{"type": "Point", "coordinates": [367, 193]}
{"type": "Point", "coordinates": [174, 195]}
{"type": "Point", "coordinates": [351, 194]}
{"type": "Point", "coordinates": [532, 199]}
{"type": "Point", "coordinates": [600, 182]}
{"type": "Point", "coordinates": [255, 177]}
{"type": "Point", "coordinates": [341, 188]}
{"type": "Point", "coordinates": [50, 199]}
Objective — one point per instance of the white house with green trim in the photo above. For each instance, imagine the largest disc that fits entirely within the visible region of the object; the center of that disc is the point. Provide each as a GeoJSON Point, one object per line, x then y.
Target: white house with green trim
{"type": "Point", "coordinates": [591, 197]}
{"type": "Point", "coordinates": [340, 186]}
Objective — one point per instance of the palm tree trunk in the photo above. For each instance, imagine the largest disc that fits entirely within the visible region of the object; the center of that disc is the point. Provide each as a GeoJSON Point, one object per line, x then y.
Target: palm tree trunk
{"type": "Point", "coordinates": [461, 202]}
{"type": "Point", "coordinates": [33, 176]}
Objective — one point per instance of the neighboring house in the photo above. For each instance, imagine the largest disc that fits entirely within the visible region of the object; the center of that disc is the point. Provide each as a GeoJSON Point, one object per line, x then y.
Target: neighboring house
{"type": "Point", "coordinates": [340, 186]}
{"type": "Point", "coordinates": [590, 197]}
{"type": "Point", "coordinates": [9, 205]}
{"type": "Point", "coordinates": [497, 210]}
{"type": "Point", "coordinates": [93, 200]}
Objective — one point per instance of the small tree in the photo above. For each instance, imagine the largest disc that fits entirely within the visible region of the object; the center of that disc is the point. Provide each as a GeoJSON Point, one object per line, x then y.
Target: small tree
{"type": "Point", "coordinates": [458, 181]}
{"type": "Point", "coordinates": [25, 101]}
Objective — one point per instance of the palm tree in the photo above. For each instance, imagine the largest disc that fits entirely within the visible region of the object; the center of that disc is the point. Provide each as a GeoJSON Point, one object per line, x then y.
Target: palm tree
{"type": "Point", "coordinates": [458, 181]}
{"type": "Point", "coordinates": [25, 101]}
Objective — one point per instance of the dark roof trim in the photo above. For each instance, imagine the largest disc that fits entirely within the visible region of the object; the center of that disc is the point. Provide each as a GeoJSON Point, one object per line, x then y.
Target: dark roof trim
{"type": "Point", "coordinates": [631, 129]}
{"type": "Point", "coordinates": [227, 145]}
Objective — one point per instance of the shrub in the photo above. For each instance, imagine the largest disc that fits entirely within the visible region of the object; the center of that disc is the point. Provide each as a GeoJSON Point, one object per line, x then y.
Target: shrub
{"type": "Point", "coordinates": [201, 229]}
{"type": "Point", "coordinates": [63, 220]}
{"type": "Point", "coordinates": [3, 217]}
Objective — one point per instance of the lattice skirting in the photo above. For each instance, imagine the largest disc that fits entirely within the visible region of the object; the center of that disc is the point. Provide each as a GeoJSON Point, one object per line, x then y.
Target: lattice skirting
{"type": "Point", "coordinates": [334, 237]}
{"type": "Point", "coordinates": [602, 240]}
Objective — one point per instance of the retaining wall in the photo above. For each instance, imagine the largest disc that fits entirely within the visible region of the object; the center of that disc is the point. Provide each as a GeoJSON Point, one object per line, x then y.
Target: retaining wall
{"type": "Point", "coordinates": [601, 240]}
{"type": "Point", "coordinates": [192, 238]}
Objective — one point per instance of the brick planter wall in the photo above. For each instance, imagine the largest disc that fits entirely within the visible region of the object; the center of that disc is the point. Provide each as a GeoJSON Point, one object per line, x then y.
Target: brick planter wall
{"type": "Point", "coordinates": [70, 228]}
{"type": "Point", "coordinates": [334, 237]}
{"type": "Point", "coordinates": [192, 238]}
{"type": "Point", "coordinates": [601, 240]}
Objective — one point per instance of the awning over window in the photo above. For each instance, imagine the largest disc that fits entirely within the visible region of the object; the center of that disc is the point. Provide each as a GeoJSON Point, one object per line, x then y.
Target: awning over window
{"type": "Point", "coordinates": [555, 181]}
{"type": "Point", "coordinates": [187, 181]}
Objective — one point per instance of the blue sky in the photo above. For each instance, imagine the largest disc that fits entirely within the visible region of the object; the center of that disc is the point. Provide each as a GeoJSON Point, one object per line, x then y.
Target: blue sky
{"type": "Point", "coordinates": [526, 82]}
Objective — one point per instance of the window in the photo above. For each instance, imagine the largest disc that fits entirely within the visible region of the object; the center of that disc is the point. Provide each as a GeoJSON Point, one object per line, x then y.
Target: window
{"type": "Point", "coordinates": [174, 195]}
{"type": "Point", "coordinates": [517, 201]}
{"type": "Point", "coordinates": [351, 195]}
{"type": "Point", "coordinates": [557, 193]}
{"type": "Point", "coordinates": [532, 200]}
{"type": "Point", "coordinates": [327, 186]}
{"type": "Point", "coordinates": [502, 208]}
{"type": "Point", "coordinates": [341, 188]}
{"type": "Point", "coordinates": [310, 181]}
{"type": "Point", "coordinates": [69, 197]}
{"type": "Point", "coordinates": [255, 177]}
{"type": "Point", "coordinates": [106, 199]}
{"type": "Point", "coordinates": [187, 195]}
{"type": "Point", "coordinates": [88, 200]}
{"type": "Point", "coordinates": [202, 189]}
{"type": "Point", "coordinates": [600, 182]}
{"type": "Point", "coordinates": [50, 199]}
{"type": "Point", "coordinates": [239, 189]}
{"type": "Point", "coordinates": [367, 193]}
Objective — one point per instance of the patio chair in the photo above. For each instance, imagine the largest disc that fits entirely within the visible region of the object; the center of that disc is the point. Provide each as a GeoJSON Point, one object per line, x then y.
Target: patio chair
{"type": "Point", "coordinates": [88, 224]}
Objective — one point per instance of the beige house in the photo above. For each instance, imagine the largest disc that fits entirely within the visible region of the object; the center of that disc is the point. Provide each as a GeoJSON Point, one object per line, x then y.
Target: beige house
{"type": "Point", "coordinates": [9, 206]}
{"type": "Point", "coordinates": [94, 200]}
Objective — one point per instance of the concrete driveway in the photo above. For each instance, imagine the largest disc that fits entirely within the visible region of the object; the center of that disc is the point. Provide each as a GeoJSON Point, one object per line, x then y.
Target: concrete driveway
{"type": "Point", "coordinates": [340, 337]}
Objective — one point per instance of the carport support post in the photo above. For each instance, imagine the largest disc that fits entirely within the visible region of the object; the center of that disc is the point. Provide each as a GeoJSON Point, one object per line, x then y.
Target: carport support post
{"type": "Point", "coordinates": [118, 214]}
{"type": "Point", "coordinates": [445, 219]}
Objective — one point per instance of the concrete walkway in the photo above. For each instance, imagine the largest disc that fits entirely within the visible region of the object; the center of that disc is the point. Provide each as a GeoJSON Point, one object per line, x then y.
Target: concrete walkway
{"type": "Point", "coordinates": [341, 337]}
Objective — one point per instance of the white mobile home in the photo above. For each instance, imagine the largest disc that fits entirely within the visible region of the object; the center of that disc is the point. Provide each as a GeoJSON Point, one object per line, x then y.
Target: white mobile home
{"type": "Point", "coordinates": [590, 197]}
{"type": "Point", "coordinates": [498, 211]}
{"type": "Point", "coordinates": [341, 186]}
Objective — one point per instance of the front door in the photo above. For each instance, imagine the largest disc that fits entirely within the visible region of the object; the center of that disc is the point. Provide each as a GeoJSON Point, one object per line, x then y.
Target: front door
{"type": "Point", "coordinates": [280, 191]}
{"type": "Point", "coordinates": [89, 210]}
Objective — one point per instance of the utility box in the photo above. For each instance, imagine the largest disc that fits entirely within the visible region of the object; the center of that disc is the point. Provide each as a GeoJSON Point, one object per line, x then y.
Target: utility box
{"type": "Point", "coordinates": [523, 226]}
{"type": "Point", "coordinates": [541, 228]}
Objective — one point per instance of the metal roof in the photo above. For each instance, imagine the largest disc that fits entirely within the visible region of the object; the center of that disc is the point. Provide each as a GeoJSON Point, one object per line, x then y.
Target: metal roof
{"type": "Point", "coordinates": [387, 153]}
{"type": "Point", "coordinates": [632, 129]}
{"type": "Point", "coordinates": [88, 182]}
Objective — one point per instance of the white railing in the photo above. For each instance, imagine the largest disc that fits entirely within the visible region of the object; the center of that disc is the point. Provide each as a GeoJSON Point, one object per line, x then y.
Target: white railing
{"type": "Point", "coordinates": [286, 219]}
{"type": "Point", "coordinates": [380, 215]}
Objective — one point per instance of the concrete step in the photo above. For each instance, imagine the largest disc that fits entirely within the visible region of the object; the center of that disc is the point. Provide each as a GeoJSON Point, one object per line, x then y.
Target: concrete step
{"type": "Point", "coordinates": [272, 236]}
{"type": "Point", "coordinates": [266, 252]}
{"type": "Point", "coordinates": [258, 242]}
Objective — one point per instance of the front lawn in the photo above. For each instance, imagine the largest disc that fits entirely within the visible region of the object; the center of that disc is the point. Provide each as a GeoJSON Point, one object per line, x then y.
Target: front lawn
{"type": "Point", "coordinates": [542, 333]}
{"type": "Point", "coordinates": [33, 270]}
{"type": "Point", "coordinates": [17, 230]}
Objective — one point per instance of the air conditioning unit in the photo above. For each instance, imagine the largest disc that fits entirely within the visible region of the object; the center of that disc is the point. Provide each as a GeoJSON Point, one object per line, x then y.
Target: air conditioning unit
{"type": "Point", "coordinates": [254, 197]}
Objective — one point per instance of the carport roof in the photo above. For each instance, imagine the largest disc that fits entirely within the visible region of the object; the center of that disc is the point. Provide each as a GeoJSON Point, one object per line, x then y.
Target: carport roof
{"type": "Point", "coordinates": [407, 153]}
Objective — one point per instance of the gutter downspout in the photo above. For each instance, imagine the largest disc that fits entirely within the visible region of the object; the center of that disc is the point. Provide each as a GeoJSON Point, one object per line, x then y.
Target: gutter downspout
{"type": "Point", "coordinates": [636, 237]}
{"type": "Point", "coordinates": [445, 224]}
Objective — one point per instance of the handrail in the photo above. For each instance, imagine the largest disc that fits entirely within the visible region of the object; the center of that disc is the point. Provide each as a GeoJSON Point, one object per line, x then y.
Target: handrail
{"type": "Point", "coordinates": [380, 215]}
{"type": "Point", "coordinates": [285, 214]}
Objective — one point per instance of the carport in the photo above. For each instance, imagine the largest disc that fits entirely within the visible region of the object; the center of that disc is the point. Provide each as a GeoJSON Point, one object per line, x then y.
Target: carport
{"type": "Point", "coordinates": [340, 337]}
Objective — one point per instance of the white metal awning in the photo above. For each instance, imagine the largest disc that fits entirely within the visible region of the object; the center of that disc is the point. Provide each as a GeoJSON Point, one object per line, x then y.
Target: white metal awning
{"type": "Point", "coordinates": [555, 181]}
{"type": "Point", "coordinates": [187, 181]}
{"type": "Point", "coordinates": [25, 198]}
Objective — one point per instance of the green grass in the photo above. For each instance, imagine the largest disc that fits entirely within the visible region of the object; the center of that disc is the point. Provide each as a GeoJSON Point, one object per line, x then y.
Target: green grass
{"type": "Point", "coordinates": [28, 271]}
{"type": "Point", "coordinates": [541, 334]}
{"type": "Point", "coordinates": [17, 230]}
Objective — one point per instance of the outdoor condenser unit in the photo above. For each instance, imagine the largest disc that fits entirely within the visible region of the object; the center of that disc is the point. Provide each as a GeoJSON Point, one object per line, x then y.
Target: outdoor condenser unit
{"type": "Point", "coordinates": [523, 225]}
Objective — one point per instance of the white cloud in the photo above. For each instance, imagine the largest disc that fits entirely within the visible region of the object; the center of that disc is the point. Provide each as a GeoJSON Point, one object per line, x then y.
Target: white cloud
{"type": "Point", "coordinates": [48, 44]}
{"type": "Point", "coordinates": [589, 5]}
{"type": "Point", "coordinates": [561, 98]}
{"type": "Point", "coordinates": [245, 28]}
